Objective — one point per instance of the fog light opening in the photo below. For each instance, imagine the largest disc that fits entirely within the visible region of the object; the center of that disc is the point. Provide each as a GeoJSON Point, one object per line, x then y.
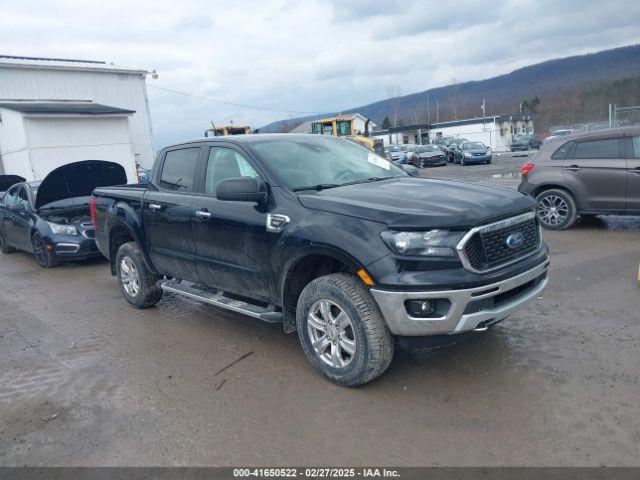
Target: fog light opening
{"type": "Point", "coordinates": [420, 308]}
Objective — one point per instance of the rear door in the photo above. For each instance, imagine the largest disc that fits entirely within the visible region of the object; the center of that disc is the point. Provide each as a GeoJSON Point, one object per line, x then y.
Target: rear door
{"type": "Point", "coordinates": [596, 170]}
{"type": "Point", "coordinates": [633, 172]}
{"type": "Point", "coordinates": [17, 222]}
{"type": "Point", "coordinates": [232, 243]}
{"type": "Point", "coordinates": [167, 213]}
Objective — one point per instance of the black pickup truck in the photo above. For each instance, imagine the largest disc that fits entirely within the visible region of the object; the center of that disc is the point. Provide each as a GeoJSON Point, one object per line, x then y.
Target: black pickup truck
{"type": "Point", "coordinates": [326, 238]}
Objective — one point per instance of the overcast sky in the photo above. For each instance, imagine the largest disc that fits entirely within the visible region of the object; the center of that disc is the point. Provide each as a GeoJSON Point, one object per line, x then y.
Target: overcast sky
{"type": "Point", "coordinates": [307, 56]}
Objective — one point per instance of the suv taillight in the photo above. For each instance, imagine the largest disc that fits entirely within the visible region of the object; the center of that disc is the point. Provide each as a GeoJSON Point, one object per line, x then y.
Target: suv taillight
{"type": "Point", "coordinates": [527, 168]}
{"type": "Point", "coordinates": [92, 206]}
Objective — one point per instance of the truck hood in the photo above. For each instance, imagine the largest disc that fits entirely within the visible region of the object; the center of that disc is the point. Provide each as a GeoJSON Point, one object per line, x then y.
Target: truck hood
{"type": "Point", "coordinates": [420, 203]}
{"type": "Point", "coordinates": [8, 181]}
{"type": "Point", "coordinates": [78, 179]}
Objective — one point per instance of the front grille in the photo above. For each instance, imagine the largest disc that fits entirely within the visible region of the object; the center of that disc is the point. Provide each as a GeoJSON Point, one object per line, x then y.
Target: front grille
{"type": "Point", "coordinates": [501, 299]}
{"type": "Point", "coordinates": [487, 247]}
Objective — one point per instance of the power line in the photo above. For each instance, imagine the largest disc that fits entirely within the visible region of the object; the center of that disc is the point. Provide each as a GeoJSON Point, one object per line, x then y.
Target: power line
{"type": "Point", "coordinates": [226, 102]}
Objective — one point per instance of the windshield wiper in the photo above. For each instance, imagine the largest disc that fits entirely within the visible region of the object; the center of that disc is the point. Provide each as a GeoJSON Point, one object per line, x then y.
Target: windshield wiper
{"type": "Point", "coordinates": [320, 186]}
{"type": "Point", "coordinates": [371, 179]}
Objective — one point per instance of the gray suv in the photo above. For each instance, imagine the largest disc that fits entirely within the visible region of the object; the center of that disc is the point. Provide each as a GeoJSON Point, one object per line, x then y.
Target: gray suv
{"type": "Point", "coordinates": [586, 173]}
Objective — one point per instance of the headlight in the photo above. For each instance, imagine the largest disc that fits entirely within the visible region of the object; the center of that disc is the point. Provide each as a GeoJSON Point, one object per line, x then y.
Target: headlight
{"type": "Point", "coordinates": [63, 229]}
{"type": "Point", "coordinates": [432, 243]}
{"type": "Point", "coordinates": [467, 154]}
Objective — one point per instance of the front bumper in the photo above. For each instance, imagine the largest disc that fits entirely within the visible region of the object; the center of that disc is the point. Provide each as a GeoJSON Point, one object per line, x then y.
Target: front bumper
{"type": "Point", "coordinates": [469, 309]}
{"type": "Point", "coordinates": [77, 247]}
{"type": "Point", "coordinates": [476, 159]}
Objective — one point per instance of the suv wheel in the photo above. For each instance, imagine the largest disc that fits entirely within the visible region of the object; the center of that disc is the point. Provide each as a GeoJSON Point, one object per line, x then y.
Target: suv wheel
{"type": "Point", "coordinates": [40, 251]}
{"type": "Point", "coordinates": [556, 209]}
{"type": "Point", "coordinates": [137, 284]}
{"type": "Point", "coordinates": [4, 245]}
{"type": "Point", "coordinates": [342, 331]}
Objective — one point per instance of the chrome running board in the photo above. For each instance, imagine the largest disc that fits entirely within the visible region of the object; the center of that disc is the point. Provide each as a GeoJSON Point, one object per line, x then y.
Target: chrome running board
{"type": "Point", "coordinates": [218, 299]}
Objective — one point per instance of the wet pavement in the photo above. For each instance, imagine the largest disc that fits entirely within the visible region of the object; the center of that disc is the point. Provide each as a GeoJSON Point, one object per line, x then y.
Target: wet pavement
{"type": "Point", "coordinates": [87, 380]}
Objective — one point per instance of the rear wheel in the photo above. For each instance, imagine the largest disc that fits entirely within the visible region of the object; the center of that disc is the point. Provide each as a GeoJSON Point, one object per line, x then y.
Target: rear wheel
{"type": "Point", "coordinates": [4, 244]}
{"type": "Point", "coordinates": [342, 331]}
{"type": "Point", "coordinates": [137, 283]}
{"type": "Point", "coordinates": [556, 209]}
{"type": "Point", "coordinates": [41, 252]}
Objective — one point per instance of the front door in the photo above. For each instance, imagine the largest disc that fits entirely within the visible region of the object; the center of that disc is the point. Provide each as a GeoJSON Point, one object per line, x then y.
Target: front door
{"type": "Point", "coordinates": [596, 169]}
{"type": "Point", "coordinates": [167, 214]}
{"type": "Point", "coordinates": [633, 173]}
{"type": "Point", "coordinates": [231, 240]}
{"type": "Point", "coordinates": [17, 225]}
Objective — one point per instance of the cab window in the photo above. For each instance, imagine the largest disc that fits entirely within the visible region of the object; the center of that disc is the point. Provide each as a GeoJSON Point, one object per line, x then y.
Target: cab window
{"type": "Point", "coordinates": [178, 169]}
{"type": "Point", "coordinates": [225, 163]}
{"type": "Point", "coordinates": [22, 198]}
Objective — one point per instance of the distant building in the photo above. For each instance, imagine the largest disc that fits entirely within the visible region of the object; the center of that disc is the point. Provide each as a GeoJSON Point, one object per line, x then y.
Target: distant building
{"type": "Point", "coordinates": [57, 111]}
{"type": "Point", "coordinates": [496, 131]}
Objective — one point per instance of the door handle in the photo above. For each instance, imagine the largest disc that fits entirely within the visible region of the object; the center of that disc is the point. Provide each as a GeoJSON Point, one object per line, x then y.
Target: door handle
{"type": "Point", "coordinates": [203, 214]}
{"type": "Point", "coordinates": [573, 168]}
{"type": "Point", "coordinates": [155, 206]}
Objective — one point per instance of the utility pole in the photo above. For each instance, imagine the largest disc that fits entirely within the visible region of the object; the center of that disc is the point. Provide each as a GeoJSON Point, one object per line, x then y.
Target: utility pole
{"type": "Point", "coordinates": [483, 106]}
{"type": "Point", "coordinates": [437, 111]}
{"type": "Point", "coordinates": [428, 117]}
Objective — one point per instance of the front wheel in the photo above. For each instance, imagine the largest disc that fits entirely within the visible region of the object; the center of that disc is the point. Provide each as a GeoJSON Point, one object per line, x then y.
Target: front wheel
{"type": "Point", "coordinates": [556, 209]}
{"type": "Point", "coordinates": [137, 283]}
{"type": "Point", "coordinates": [342, 331]}
{"type": "Point", "coordinates": [41, 252]}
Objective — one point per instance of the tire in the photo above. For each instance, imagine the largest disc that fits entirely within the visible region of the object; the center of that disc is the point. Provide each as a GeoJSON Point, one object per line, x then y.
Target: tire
{"type": "Point", "coordinates": [4, 245]}
{"type": "Point", "coordinates": [40, 252]}
{"type": "Point", "coordinates": [462, 162]}
{"type": "Point", "coordinates": [137, 284]}
{"type": "Point", "coordinates": [355, 350]}
{"type": "Point", "coordinates": [488, 162]}
{"type": "Point", "coordinates": [565, 213]}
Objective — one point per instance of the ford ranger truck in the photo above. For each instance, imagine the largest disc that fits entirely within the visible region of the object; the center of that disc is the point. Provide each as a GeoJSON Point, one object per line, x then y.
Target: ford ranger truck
{"type": "Point", "coordinates": [327, 239]}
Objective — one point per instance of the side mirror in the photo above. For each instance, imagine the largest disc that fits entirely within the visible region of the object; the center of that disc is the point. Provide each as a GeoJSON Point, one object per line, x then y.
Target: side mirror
{"type": "Point", "coordinates": [18, 207]}
{"type": "Point", "coordinates": [243, 189]}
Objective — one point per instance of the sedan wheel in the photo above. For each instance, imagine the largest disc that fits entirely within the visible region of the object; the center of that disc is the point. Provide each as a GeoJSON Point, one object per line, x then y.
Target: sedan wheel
{"type": "Point", "coordinates": [43, 257]}
{"type": "Point", "coordinates": [4, 244]}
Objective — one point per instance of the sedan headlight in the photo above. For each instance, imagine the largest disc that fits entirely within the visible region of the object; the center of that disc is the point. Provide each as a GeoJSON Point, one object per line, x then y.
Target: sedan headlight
{"type": "Point", "coordinates": [63, 229]}
{"type": "Point", "coordinates": [432, 243]}
{"type": "Point", "coordinates": [467, 154]}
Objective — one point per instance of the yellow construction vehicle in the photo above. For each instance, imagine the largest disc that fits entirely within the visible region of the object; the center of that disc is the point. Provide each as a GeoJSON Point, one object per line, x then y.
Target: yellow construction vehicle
{"type": "Point", "coordinates": [345, 127]}
{"type": "Point", "coordinates": [227, 130]}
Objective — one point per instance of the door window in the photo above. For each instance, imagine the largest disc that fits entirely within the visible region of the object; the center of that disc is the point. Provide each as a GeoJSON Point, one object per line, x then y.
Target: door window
{"type": "Point", "coordinates": [10, 197]}
{"type": "Point", "coordinates": [225, 163]}
{"type": "Point", "coordinates": [603, 148]}
{"type": "Point", "coordinates": [178, 169]}
{"type": "Point", "coordinates": [22, 197]}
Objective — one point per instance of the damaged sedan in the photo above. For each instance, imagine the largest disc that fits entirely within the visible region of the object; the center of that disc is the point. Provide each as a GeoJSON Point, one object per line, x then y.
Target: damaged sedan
{"type": "Point", "coordinates": [51, 219]}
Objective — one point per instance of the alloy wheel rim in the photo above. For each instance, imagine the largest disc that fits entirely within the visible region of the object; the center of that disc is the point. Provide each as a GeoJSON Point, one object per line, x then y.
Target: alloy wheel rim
{"type": "Point", "coordinates": [38, 249]}
{"type": "Point", "coordinates": [129, 277]}
{"type": "Point", "coordinates": [553, 210]}
{"type": "Point", "coordinates": [331, 333]}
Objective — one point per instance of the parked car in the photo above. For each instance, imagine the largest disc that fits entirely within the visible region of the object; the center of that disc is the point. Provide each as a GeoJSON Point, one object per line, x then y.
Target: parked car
{"type": "Point", "coordinates": [395, 154]}
{"type": "Point", "coordinates": [428, 156]}
{"type": "Point", "coordinates": [525, 142]}
{"type": "Point", "coordinates": [472, 153]}
{"type": "Point", "coordinates": [325, 238]}
{"type": "Point", "coordinates": [51, 218]}
{"type": "Point", "coordinates": [409, 150]}
{"type": "Point", "coordinates": [584, 174]}
{"type": "Point", "coordinates": [452, 146]}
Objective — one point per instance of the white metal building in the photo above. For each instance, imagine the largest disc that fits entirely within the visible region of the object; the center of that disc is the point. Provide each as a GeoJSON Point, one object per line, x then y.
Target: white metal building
{"type": "Point", "coordinates": [120, 118]}
{"type": "Point", "coordinates": [496, 131]}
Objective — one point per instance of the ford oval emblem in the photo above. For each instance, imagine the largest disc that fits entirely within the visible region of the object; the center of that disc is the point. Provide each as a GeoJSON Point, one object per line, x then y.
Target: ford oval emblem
{"type": "Point", "coordinates": [515, 240]}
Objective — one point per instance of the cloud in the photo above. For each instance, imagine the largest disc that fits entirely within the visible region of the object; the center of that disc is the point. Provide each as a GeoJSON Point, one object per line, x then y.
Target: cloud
{"type": "Point", "coordinates": [315, 56]}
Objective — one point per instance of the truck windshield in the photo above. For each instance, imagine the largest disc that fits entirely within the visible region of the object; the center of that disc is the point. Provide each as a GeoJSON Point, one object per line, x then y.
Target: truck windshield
{"type": "Point", "coordinates": [316, 162]}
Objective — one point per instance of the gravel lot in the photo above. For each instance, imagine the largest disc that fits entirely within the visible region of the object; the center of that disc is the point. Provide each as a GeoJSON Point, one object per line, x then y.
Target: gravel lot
{"type": "Point", "coordinates": [86, 380]}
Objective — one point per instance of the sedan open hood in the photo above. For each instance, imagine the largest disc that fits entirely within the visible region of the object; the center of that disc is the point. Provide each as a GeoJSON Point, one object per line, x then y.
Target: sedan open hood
{"type": "Point", "coordinates": [78, 179]}
{"type": "Point", "coordinates": [8, 181]}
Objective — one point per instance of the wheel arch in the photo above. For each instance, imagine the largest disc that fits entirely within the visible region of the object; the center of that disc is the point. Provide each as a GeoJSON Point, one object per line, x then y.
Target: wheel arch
{"type": "Point", "coordinates": [303, 267]}
{"type": "Point", "coordinates": [554, 186]}
{"type": "Point", "coordinates": [120, 233]}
